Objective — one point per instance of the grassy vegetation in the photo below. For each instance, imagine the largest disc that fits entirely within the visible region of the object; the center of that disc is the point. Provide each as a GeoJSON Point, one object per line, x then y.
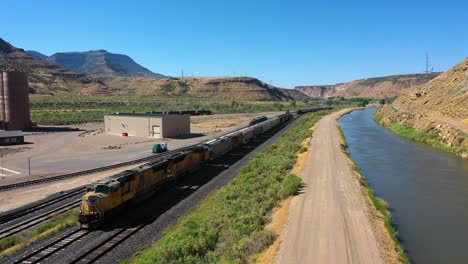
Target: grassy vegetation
{"type": "Point", "coordinates": [421, 136]}
{"type": "Point", "coordinates": [79, 108]}
{"type": "Point", "coordinates": [381, 205]}
{"type": "Point", "coordinates": [10, 245]}
{"type": "Point", "coordinates": [228, 226]}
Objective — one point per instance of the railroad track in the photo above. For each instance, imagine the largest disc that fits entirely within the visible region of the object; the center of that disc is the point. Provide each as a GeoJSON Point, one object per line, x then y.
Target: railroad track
{"type": "Point", "coordinates": [107, 245]}
{"type": "Point", "coordinates": [90, 171]}
{"type": "Point", "coordinates": [54, 247]}
{"type": "Point", "coordinates": [6, 218]}
{"type": "Point", "coordinates": [30, 222]}
{"type": "Point", "coordinates": [91, 255]}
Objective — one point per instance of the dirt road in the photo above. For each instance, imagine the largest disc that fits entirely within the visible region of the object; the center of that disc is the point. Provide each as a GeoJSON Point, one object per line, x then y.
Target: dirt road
{"type": "Point", "coordinates": [329, 221]}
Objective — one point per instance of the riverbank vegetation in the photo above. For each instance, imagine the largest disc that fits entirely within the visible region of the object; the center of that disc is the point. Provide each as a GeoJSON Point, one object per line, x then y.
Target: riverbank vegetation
{"type": "Point", "coordinates": [380, 204]}
{"type": "Point", "coordinates": [12, 244]}
{"type": "Point", "coordinates": [421, 136]}
{"type": "Point", "coordinates": [228, 226]}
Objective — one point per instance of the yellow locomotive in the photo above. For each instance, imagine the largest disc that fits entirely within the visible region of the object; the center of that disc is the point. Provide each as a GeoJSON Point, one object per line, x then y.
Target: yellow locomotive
{"type": "Point", "coordinates": [106, 196]}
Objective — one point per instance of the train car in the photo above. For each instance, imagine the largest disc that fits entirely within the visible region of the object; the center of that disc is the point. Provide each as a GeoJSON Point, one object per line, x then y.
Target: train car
{"type": "Point", "coordinates": [265, 125]}
{"type": "Point", "coordinates": [247, 134]}
{"type": "Point", "coordinates": [236, 139]}
{"type": "Point", "coordinates": [218, 147]}
{"type": "Point", "coordinates": [275, 121]}
{"type": "Point", "coordinates": [257, 130]}
{"type": "Point", "coordinates": [257, 120]}
{"type": "Point", "coordinates": [310, 110]}
{"type": "Point", "coordinates": [183, 162]}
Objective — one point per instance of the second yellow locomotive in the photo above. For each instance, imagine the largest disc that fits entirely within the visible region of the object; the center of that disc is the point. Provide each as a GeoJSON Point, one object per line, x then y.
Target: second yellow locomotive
{"type": "Point", "coordinates": [106, 196]}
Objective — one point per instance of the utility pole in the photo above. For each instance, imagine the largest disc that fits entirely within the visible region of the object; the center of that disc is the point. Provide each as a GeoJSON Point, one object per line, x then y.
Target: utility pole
{"type": "Point", "coordinates": [182, 74]}
{"type": "Point", "coordinates": [29, 165]}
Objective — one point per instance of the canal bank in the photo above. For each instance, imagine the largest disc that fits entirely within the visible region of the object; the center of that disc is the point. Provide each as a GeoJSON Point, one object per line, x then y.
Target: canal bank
{"type": "Point", "coordinates": [427, 190]}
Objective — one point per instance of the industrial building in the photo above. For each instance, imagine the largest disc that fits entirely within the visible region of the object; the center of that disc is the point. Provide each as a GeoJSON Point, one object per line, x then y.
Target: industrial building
{"type": "Point", "coordinates": [147, 125]}
{"type": "Point", "coordinates": [14, 101]}
{"type": "Point", "coordinates": [11, 137]}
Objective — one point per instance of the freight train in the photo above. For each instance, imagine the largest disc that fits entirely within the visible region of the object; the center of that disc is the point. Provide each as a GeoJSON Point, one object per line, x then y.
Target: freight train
{"type": "Point", "coordinates": [107, 196]}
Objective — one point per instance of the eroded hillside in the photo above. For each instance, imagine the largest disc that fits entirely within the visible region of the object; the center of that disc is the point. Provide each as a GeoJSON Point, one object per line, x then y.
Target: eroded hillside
{"type": "Point", "coordinates": [381, 87]}
{"type": "Point", "coordinates": [440, 105]}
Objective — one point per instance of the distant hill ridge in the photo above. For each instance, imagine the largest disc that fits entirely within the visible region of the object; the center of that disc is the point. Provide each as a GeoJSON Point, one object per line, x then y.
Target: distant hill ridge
{"type": "Point", "coordinates": [46, 78]}
{"type": "Point", "coordinates": [101, 63]}
{"type": "Point", "coordinates": [233, 88]}
{"type": "Point", "coordinates": [378, 87]}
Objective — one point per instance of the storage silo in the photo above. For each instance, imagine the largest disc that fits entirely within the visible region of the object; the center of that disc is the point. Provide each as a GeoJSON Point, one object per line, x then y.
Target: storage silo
{"type": "Point", "coordinates": [14, 101]}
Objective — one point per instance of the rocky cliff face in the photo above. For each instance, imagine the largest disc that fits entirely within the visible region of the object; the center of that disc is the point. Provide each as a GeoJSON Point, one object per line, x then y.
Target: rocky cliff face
{"type": "Point", "coordinates": [381, 87]}
{"type": "Point", "coordinates": [440, 105]}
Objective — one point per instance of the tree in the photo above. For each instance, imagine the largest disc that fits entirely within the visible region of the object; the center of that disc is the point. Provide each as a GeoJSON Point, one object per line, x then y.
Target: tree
{"type": "Point", "coordinates": [382, 101]}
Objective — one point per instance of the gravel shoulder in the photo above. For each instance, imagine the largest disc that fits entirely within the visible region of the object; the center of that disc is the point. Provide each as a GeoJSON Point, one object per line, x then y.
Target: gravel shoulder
{"type": "Point", "coordinates": [330, 221]}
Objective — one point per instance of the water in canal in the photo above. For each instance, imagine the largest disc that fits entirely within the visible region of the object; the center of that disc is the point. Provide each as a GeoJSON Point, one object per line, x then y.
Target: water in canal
{"type": "Point", "coordinates": [427, 189]}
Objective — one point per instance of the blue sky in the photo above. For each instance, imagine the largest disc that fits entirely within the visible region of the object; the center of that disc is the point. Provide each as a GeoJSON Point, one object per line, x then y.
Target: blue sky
{"type": "Point", "coordinates": [287, 43]}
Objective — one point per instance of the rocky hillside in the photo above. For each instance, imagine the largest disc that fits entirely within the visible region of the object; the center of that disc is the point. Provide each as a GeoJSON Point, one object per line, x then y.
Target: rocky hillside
{"type": "Point", "coordinates": [101, 63]}
{"type": "Point", "coordinates": [46, 78]}
{"type": "Point", "coordinates": [440, 105]}
{"type": "Point", "coordinates": [233, 88]}
{"type": "Point", "coordinates": [381, 87]}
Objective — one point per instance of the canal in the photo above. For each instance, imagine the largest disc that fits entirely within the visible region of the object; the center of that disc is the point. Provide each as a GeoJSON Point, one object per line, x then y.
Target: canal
{"type": "Point", "coordinates": [427, 189]}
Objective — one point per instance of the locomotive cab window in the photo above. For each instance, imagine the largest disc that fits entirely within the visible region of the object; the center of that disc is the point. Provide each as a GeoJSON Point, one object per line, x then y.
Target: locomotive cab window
{"type": "Point", "coordinates": [102, 189]}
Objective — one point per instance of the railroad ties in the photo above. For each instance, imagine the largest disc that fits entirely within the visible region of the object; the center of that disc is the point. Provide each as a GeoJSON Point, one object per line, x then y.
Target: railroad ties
{"type": "Point", "coordinates": [55, 246]}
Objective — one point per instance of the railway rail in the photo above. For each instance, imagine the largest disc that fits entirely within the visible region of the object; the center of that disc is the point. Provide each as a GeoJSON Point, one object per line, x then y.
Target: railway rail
{"type": "Point", "coordinates": [87, 172]}
{"type": "Point", "coordinates": [48, 250]}
{"type": "Point", "coordinates": [30, 222]}
{"type": "Point", "coordinates": [107, 245]}
{"type": "Point", "coordinates": [8, 217]}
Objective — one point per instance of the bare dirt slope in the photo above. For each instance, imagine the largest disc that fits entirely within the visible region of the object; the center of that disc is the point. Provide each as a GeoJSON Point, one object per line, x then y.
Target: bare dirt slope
{"type": "Point", "coordinates": [380, 87]}
{"type": "Point", "coordinates": [232, 88]}
{"type": "Point", "coordinates": [329, 221]}
{"type": "Point", "coordinates": [440, 105]}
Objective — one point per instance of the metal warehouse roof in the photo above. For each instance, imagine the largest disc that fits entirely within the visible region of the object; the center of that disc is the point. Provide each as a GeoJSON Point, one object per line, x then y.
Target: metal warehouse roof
{"type": "Point", "coordinates": [15, 133]}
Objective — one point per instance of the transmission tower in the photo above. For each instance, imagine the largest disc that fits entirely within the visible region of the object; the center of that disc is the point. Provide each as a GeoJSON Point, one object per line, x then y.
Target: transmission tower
{"type": "Point", "coordinates": [429, 69]}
